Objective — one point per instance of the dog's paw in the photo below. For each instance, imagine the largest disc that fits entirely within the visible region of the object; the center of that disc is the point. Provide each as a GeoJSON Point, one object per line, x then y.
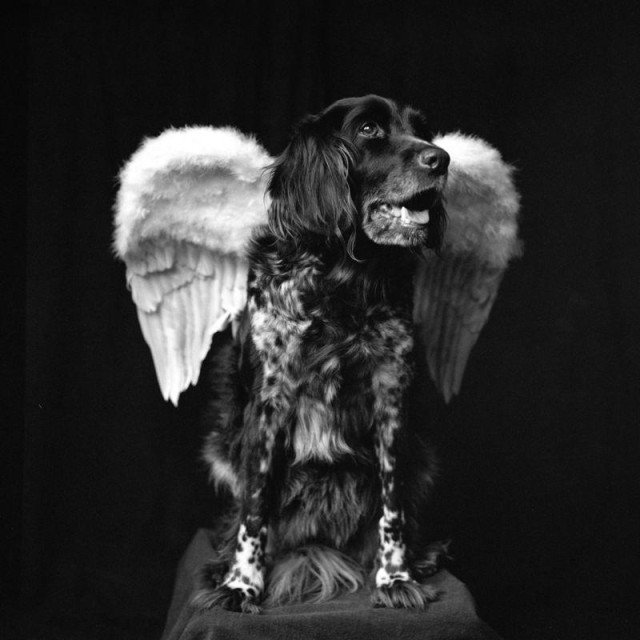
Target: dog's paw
{"type": "Point", "coordinates": [403, 594]}
{"type": "Point", "coordinates": [231, 599]}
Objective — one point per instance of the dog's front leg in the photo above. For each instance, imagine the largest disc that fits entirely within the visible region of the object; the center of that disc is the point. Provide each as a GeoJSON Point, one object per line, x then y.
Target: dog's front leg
{"type": "Point", "coordinates": [244, 583]}
{"type": "Point", "coordinates": [242, 587]}
{"type": "Point", "coordinates": [395, 586]}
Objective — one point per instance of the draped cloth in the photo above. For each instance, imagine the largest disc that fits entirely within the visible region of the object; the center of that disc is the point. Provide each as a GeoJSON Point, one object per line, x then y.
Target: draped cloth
{"type": "Point", "coordinates": [350, 617]}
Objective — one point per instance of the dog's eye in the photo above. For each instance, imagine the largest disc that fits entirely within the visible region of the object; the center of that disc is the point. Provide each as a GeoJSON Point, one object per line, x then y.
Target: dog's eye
{"type": "Point", "coordinates": [371, 130]}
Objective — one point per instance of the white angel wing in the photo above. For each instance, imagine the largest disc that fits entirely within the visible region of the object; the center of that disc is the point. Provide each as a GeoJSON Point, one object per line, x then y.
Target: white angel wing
{"type": "Point", "coordinates": [187, 205]}
{"type": "Point", "coordinates": [454, 292]}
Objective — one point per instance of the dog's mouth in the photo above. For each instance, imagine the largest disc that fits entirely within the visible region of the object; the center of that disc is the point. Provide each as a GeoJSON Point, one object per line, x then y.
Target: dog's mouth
{"type": "Point", "coordinates": [412, 211]}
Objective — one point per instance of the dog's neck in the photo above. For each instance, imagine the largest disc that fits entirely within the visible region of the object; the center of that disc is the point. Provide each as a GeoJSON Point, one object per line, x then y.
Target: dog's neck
{"type": "Point", "coordinates": [360, 270]}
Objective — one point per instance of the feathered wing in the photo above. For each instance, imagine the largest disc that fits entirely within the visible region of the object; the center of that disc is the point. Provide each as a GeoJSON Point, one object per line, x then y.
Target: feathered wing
{"type": "Point", "coordinates": [454, 292]}
{"type": "Point", "coordinates": [187, 205]}
{"type": "Point", "coordinates": [190, 199]}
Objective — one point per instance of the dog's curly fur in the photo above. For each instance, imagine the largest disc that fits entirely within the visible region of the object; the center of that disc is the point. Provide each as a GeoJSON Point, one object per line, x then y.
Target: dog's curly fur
{"type": "Point", "coordinates": [309, 431]}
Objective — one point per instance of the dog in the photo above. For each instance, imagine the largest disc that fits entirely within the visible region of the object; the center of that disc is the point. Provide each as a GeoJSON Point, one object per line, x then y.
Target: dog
{"type": "Point", "coordinates": [308, 422]}
{"type": "Point", "coordinates": [330, 287]}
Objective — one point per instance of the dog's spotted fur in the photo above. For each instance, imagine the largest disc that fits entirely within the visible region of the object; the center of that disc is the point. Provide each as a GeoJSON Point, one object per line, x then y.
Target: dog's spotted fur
{"type": "Point", "coordinates": [313, 438]}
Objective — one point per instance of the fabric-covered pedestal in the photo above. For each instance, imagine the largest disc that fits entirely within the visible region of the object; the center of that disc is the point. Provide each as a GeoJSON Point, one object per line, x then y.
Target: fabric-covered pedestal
{"type": "Point", "coordinates": [349, 617]}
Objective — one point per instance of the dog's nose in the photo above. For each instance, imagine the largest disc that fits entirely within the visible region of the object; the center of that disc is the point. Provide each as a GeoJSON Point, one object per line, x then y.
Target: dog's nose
{"type": "Point", "coordinates": [435, 159]}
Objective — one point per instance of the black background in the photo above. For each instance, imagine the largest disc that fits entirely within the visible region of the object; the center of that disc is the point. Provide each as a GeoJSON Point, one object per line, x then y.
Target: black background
{"type": "Point", "coordinates": [540, 452]}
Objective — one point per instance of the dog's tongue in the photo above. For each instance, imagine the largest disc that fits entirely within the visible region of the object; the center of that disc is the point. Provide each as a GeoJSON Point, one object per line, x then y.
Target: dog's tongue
{"type": "Point", "coordinates": [417, 217]}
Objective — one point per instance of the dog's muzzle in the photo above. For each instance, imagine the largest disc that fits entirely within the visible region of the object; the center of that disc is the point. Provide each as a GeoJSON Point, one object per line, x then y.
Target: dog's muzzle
{"type": "Point", "coordinates": [411, 211]}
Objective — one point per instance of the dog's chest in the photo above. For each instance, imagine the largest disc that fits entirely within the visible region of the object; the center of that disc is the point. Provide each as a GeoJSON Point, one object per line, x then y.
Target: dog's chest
{"type": "Point", "coordinates": [319, 354]}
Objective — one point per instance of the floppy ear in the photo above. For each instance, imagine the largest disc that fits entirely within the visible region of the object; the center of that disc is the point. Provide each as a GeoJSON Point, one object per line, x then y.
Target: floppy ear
{"type": "Point", "coordinates": [309, 184]}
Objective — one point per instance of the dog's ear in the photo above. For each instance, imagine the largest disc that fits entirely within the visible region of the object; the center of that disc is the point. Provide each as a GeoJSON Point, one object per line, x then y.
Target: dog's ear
{"type": "Point", "coordinates": [309, 184]}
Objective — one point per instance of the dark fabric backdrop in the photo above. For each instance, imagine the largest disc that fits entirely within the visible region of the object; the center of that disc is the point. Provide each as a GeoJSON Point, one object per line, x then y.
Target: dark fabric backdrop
{"type": "Point", "coordinates": [540, 452]}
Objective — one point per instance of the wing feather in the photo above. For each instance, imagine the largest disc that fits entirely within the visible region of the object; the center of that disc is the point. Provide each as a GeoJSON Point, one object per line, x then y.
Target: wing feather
{"type": "Point", "coordinates": [187, 206]}
{"type": "Point", "coordinates": [454, 292]}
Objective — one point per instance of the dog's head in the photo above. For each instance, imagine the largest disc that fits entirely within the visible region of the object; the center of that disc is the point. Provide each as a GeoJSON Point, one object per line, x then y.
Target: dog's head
{"type": "Point", "coordinates": [361, 164]}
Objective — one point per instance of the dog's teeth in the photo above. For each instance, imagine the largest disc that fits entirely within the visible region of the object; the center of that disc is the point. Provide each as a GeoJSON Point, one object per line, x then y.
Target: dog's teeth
{"type": "Point", "coordinates": [406, 216]}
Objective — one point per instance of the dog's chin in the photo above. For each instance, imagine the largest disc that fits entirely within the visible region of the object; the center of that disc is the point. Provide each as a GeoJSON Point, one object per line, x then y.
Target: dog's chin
{"type": "Point", "coordinates": [413, 222]}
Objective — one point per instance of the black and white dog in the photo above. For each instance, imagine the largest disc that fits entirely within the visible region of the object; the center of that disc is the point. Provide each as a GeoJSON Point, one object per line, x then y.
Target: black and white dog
{"type": "Point", "coordinates": [309, 428]}
{"type": "Point", "coordinates": [311, 425]}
